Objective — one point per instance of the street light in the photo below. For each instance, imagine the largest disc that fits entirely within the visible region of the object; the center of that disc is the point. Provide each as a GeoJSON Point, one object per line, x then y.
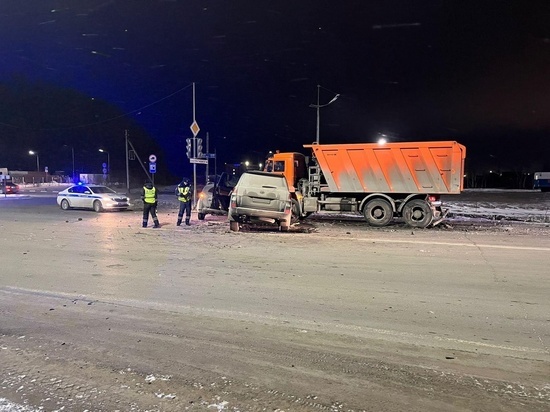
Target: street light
{"type": "Point", "coordinates": [37, 160]}
{"type": "Point", "coordinates": [318, 106]}
{"type": "Point", "coordinates": [108, 164]}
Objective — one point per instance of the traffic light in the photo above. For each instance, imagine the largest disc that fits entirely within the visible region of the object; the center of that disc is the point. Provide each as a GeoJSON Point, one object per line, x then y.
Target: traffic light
{"type": "Point", "coordinates": [199, 148]}
{"type": "Point", "coordinates": [189, 148]}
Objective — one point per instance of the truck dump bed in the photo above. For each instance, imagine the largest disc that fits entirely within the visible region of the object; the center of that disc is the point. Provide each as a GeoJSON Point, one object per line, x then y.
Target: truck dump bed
{"type": "Point", "coordinates": [418, 167]}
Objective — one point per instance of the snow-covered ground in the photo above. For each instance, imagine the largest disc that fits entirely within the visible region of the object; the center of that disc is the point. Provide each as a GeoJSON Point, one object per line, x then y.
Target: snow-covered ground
{"type": "Point", "coordinates": [7, 406]}
{"type": "Point", "coordinates": [517, 205]}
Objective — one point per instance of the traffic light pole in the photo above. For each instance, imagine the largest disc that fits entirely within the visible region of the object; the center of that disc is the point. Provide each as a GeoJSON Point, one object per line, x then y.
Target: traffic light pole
{"type": "Point", "coordinates": [194, 152]}
{"type": "Point", "coordinates": [207, 154]}
{"type": "Point", "coordinates": [194, 173]}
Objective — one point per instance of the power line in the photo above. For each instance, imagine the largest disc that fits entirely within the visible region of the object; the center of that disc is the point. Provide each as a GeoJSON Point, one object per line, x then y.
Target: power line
{"type": "Point", "coordinates": [101, 121]}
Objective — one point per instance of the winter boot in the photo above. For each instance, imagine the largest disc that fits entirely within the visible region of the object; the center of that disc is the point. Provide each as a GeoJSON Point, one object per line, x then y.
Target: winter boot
{"type": "Point", "coordinates": [187, 222]}
{"type": "Point", "coordinates": [178, 222]}
{"type": "Point", "coordinates": [157, 224]}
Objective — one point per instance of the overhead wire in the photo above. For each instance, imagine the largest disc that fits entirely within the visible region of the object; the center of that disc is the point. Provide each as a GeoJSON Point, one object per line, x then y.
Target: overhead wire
{"type": "Point", "coordinates": [105, 120]}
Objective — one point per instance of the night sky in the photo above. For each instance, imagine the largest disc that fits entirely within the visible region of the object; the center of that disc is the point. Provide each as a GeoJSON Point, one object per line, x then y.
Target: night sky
{"type": "Point", "coordinates": [473, 71]}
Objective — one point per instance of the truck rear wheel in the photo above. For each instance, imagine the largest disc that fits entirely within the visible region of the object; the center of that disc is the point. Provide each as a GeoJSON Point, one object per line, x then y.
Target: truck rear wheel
{"type": "Point", "coordinates": [378, 212]}
{"type": "Point", "coordinates": [234, 226]}
{"type": "Point", "coordinates": [201, 216]}
{"type": "Point", "coordinates": [418, 213]}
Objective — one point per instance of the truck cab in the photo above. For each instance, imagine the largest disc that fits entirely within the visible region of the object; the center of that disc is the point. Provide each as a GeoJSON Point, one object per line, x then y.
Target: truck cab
{"type": "Point", "coordinates": [291, 165]}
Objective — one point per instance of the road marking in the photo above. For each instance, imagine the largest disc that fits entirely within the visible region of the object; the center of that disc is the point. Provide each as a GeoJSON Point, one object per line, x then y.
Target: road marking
{"type": "Point", "coordinates": [476, 245]}
{"type": "Point", "coordinates": [14, 197]}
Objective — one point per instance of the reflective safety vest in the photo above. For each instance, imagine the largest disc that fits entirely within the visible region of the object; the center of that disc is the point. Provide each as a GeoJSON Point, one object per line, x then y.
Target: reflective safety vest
{"type": "Point", "coordinates": [184, 193]}
{"type": "Point", "coordinates": [149, 195]}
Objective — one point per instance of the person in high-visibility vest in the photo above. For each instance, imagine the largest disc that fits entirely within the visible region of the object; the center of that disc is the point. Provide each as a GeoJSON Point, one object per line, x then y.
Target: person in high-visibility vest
{"type": "Point", "coordinates": [150, 197]}
{"type": "Point", "coordinates": [184, 194]}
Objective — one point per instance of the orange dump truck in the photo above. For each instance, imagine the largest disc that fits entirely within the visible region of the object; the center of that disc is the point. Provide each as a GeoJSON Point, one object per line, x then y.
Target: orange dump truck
{"type": "Point", "coordinates": [381, 182]}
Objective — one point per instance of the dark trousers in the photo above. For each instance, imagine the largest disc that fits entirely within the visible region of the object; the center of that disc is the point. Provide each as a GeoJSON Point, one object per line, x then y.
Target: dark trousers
{"type": "Point", "coordinates": [152, 209]}
{"type": "Point", "coordinates": [185, 208]}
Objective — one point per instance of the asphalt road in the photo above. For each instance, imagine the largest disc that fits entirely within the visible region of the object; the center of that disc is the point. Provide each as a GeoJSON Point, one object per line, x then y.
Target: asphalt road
{"type": "Point", "coordinates": [99, 314]}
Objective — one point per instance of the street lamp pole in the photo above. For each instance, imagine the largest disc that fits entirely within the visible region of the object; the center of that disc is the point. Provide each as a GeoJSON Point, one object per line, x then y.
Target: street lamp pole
{"type": "Point", "coordinates": [37, 160]}
{"type": "Point", "coordinates": [318, 116]}
{"type": "Point", "coordinates": [318, 106]}
{"type": "Point", "coordinates": [108, 164]}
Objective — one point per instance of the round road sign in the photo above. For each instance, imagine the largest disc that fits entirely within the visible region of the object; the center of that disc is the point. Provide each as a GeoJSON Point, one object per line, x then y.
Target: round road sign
{"type": "Point", "coordinates": [152, 158]}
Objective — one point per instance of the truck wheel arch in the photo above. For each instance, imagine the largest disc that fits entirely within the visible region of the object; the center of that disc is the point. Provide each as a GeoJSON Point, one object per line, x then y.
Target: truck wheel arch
{"type": "Point", "coordinates": [408, 199]}
{"type": "Point", "coordinates": [372, 196]}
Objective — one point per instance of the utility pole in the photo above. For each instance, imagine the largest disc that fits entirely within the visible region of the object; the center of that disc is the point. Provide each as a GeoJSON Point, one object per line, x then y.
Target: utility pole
{"type": "Point", "coordinates": [141, 163]}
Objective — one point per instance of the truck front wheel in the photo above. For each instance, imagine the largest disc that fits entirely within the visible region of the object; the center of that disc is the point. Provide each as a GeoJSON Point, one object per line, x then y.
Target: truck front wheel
{"type": "Point", "coordinates": [296, 215]}
{"type": "Point", "coordinates": [417, 213]}
{"type": "Point", "coordinates": [378, 212]}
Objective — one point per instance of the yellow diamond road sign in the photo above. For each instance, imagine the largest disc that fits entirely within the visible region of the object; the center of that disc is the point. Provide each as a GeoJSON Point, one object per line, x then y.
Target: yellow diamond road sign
{"type": "Point", "coordinates": [195, 128]}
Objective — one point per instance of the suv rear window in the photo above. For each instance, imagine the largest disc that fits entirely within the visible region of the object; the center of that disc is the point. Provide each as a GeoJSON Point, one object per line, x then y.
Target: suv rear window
{"type": "Point", "coordinates": [250, 179]}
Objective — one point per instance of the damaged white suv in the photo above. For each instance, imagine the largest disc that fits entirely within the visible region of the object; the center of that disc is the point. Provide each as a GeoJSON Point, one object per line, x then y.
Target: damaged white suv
{"type": "Point", "coordinates": [260, 197]}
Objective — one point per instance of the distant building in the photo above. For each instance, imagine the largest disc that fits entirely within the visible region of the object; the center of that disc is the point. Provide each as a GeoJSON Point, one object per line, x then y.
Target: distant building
{"type": "Point", "coordinates": [26, 177]}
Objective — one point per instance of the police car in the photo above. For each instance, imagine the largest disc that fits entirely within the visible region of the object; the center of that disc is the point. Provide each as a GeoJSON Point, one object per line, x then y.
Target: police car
{"type": "Point", "coordinates": [94, 197]}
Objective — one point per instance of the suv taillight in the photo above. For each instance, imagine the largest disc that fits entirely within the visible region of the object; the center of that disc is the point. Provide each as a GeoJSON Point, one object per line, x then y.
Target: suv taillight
{"type": "Point", "coordinates": [288, 206]}
{"type": "Point", "coordinates": [234, 198]}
